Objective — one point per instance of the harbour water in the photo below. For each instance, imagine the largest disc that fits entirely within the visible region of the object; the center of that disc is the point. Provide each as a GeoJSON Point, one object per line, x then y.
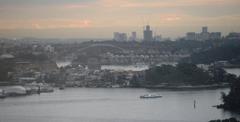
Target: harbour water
{"type": "Point", "coordinates": [114, 105]}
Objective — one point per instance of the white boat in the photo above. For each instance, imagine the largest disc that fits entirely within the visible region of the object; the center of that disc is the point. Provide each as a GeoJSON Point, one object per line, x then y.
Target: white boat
{"type": "Point", "coordinates": [15, 91]}
{"type": "Point", "coordinates": [2, 94]}
{"type": "Point", "coordinates": [39, 88]}
{"type": "Point", "coordinates": [151, 96]}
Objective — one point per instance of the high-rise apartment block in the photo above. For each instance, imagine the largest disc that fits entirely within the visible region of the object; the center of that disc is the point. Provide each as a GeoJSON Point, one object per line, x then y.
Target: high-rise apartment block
{"type": "Point", "coordinates": [204, 35]}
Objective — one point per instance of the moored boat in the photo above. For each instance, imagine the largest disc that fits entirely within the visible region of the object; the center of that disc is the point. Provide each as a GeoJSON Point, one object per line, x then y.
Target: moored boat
{"type": "Point", "coordinates": [2, 94]}
{"type": "Point", "coordinates": [15, 91]}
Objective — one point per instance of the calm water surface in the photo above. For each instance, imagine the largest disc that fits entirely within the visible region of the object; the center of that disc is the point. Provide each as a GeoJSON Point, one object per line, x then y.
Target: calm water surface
{"type": "Point", "coordinates": [114, 105]}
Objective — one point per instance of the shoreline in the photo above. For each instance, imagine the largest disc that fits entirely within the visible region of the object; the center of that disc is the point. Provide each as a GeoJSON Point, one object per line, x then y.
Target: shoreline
{"type": "Point", "coordinates": [189, 87]}
{"type": "Point", "coordinates": [173, 87]}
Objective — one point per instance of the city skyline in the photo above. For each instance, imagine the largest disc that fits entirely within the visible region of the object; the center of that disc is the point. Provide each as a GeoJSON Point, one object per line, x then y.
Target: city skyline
{"type": "Point", "coordinates": [99, 18]}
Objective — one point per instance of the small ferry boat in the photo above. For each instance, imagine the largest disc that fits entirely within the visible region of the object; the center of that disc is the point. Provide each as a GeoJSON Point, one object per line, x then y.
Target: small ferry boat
{"type": "Point", "coordinates": [151, 96]}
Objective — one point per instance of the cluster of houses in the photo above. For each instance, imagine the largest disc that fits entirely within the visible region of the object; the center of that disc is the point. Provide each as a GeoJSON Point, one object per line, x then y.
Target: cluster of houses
{"type": "Point", "coordinates": [84, 77]}
{"type": "Point", "coordinates": [150, 58]}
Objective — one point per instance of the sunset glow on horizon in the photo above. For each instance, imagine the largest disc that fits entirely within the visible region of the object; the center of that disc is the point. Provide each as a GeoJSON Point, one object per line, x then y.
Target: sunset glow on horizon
{"type": "Point", "coordinates": [100, 18]}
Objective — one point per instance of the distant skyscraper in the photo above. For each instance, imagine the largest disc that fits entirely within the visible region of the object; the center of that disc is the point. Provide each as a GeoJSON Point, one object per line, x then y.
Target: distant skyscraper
{"type": "Point", "coordinates": [158, 38]}
{"type": "Point", "coordinates": [205, 29]}
{"type": "Point", "coordinates": [119, 36]}
{"type": "Point", "coordinates": [215, 35]}
{"type": "Point", "coordinates": [147, 34]}
{"type": "Point", "coordinates": [191, 36]}
{"type": "Point", "coordinates": [233, 35]}
{"type": "Point", "coordinates": [115, 36]}
{"type": "Point", "coordinates": [204, 35]}
{"type": "Point", "coordinates": [133, 37]}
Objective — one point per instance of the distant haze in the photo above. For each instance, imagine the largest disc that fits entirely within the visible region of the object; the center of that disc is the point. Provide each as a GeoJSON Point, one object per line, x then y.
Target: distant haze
{"type": "Point", "coordinates": [100, 18]}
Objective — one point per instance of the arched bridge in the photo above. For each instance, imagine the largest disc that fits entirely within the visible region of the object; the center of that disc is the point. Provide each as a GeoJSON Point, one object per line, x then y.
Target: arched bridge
{"type": "Point", "coordinates": [94, 46]}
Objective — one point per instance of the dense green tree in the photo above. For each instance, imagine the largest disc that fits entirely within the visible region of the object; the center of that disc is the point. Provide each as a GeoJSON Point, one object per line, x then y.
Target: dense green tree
{"type": "Point", "coordinates": [232, 99]}
{"type": "Point", "coordinates": [183, 73]}
{"type": "Point", "coordinates": [135, 82]}
{"type": "Point", "coordinates": [5, 68]}
{"type": "Point", "coordinates": [229, 51]}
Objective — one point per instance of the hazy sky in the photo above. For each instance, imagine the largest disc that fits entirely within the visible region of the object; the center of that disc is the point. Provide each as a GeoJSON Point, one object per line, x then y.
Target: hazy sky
{"type": "Point", "coordinates": [100, 18]}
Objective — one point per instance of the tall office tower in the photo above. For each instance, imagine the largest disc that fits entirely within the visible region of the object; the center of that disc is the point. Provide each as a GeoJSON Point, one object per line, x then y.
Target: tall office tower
{"type": "Point", "coordinates": [147, 34]}
{"type": "Point", "coordinates": [205, 29]}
